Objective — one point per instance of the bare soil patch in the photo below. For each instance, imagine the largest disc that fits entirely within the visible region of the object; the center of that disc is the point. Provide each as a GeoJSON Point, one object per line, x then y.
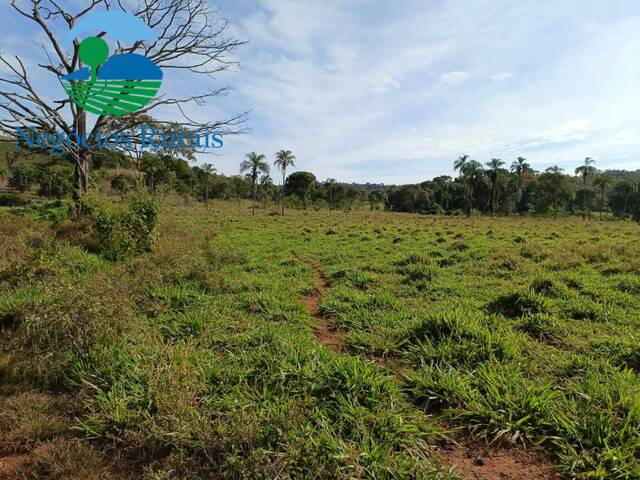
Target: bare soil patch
{"type": "Point", "coordinates": [473, 461]}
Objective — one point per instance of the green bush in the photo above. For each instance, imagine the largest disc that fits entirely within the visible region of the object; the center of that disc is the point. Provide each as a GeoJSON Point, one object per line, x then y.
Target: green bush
{"type": "Point", "coordinates": [121, 231]}
{"type": "Point", "coordinates": [12, 200]}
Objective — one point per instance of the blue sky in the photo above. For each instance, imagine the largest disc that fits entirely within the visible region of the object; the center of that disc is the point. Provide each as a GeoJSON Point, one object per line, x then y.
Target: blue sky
{"type": "Point", "coordinates": [389, 91]}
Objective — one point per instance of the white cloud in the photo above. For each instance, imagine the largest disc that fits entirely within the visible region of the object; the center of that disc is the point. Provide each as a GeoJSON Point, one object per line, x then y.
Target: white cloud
{"type": "Point", "coordinates": [384, 84]}
{"type": "Point", "coordinates": [455, 77]}
{"type": "Point", "coordinates": [500, 77]}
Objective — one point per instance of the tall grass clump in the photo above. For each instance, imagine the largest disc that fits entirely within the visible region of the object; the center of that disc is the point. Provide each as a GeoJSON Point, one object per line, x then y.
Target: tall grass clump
{"type": "Point", "coordinates": [455, 338]}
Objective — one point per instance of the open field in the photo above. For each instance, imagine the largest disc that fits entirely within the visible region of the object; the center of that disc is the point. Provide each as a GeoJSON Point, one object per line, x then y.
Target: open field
{"type": "Point", "coordinates": [323, 345]}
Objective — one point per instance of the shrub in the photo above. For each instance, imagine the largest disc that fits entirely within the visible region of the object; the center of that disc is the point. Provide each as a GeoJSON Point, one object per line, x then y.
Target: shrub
{"type": "Point", "coordinates": [12, 200]}
{"type": "Point", "coordinates": [119, 232]}
{"type": "Point", "coordinates": [123, 184]}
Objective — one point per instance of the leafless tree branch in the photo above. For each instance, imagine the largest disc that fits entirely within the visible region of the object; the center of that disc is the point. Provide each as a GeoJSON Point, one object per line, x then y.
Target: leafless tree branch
{"type": "Point", "coordinates": [192, 37]}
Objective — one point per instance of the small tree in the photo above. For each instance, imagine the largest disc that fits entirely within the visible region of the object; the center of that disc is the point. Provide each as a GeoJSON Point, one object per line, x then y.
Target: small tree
{"type": "Point", "coordinates": [123, 184]}
{"type": "Point", "coordinates": [239, 187]}
{"type": "Point", "coordinates": [552, 188]}
{"type": "Point", "coordinates": [205, 178]}
{"type": "Point", "coordinates": [266, 188]}
{"type": "Point", "coordinates": [21, 178]}
{"type": "Point", "coordinates": [331, 186]}
{"type": "Point", "coordinates": [300, 184]}
{"type": "Point", "coordinates": [11, 158]}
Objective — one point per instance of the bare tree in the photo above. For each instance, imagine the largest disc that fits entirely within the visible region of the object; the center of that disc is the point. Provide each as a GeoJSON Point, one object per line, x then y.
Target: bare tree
{"type": "Point", "coordinates": [191, 35]}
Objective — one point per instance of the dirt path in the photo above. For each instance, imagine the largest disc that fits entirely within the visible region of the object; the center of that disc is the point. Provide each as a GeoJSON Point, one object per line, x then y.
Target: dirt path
{"type": "Point", "coordinates": [324, 331]}
{"type": "Point", "coordinates": [469, 461]}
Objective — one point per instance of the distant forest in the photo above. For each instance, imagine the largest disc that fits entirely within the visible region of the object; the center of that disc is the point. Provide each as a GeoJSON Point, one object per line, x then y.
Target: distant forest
{"type": "Point", "coordinates": [493, 188]}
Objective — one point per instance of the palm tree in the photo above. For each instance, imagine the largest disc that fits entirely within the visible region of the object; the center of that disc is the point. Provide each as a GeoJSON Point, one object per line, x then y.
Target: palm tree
{"type": "Point", "coordinates": [520, 167]}
{"type": "Point", "coordinates": [586, 171]}
{"type": "Point", "coordinates": [602, 183]}
{"type": "Point", "coordinates": [207, 170]}
{"type": "Point", "coordinates": [495, 167]}
{"type": "Point", "coordinates": [472, 172]}
{"type": "Point", "coordinates": [284, 159]}
{"type": "Point", "coordinates": [461, 165]}
{"type": "Point", "coordinates": [556, 175]}
{"type": "Point", "coordinates": [254, 164]}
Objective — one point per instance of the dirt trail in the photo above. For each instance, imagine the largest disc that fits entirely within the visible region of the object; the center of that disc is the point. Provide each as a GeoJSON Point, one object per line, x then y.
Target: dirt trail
{"type": "Point", "coordinates": [324, 331]}
{"type": "Point", "coordinates": [470, 461]}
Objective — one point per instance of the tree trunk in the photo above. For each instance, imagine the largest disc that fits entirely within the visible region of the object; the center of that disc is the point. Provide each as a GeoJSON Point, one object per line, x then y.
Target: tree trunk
{"type": "Point", "coordinates": [282, 192]}
{"type": "Point", "coordinates": [494, 194]}
{"type": "Point", "coordinates": [81, 173]}
{"type": "Point", "coordinates": [255, 195]}
{"type": "Point", "coordinates": [83, 159]}
{"type": "Point", "coordinates": [584, 199]}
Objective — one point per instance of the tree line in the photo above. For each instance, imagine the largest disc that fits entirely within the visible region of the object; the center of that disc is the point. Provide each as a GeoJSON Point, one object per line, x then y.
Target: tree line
{"type": "Point", "coordinates": [492, 189]}
{"type": "Point", "coordinates": [495, 189]}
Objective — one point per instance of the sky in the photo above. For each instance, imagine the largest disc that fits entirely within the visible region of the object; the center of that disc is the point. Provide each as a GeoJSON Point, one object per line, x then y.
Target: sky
{"type": "Point", "coordinates": [388, 91]}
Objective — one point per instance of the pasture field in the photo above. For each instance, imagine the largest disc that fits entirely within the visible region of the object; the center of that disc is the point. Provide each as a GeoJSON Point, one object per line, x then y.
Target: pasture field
{"type": "Point", "coordinates": [323, 345]}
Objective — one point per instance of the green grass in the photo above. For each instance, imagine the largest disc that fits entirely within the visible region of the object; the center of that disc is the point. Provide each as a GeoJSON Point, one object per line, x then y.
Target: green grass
{"type": "Point", "coordinates": [199, 359]}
